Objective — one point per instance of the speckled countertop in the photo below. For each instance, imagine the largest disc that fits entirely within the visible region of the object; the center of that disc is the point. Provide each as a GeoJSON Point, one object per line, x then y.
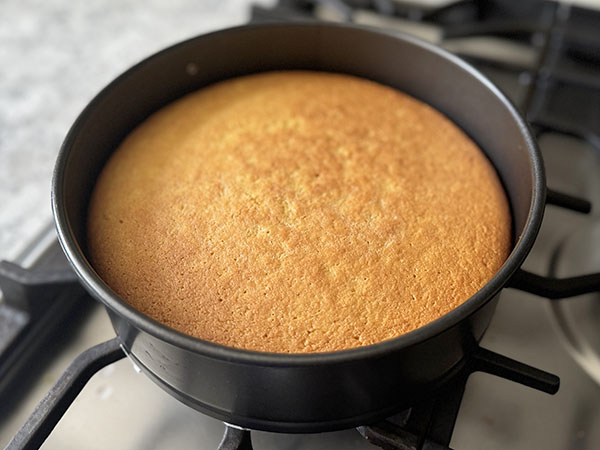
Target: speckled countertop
{"type": "Point", "coordinates": [54, 57]}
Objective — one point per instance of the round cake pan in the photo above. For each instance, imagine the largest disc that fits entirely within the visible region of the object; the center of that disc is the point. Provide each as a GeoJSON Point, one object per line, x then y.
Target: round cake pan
{"type": "Point", "coordinates": [302, 392]}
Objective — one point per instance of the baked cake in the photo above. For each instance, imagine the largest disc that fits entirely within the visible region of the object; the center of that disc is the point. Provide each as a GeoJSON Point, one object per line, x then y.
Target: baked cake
{"type": "Point", "coordinates": [297, 212]}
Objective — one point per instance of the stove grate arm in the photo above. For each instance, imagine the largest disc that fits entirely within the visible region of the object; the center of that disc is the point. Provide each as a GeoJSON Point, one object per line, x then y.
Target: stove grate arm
{"type": "Point", "coordinates": [56, 402]}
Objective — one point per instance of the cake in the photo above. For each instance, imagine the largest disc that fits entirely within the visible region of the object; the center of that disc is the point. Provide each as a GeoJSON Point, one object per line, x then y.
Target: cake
{"type": "Point", "coordinates": [297, 212]}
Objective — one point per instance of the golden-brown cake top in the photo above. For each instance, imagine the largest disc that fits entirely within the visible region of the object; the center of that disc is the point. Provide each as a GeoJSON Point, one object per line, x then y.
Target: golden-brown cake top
{"type": "Point", "coordinates": [297, 212]}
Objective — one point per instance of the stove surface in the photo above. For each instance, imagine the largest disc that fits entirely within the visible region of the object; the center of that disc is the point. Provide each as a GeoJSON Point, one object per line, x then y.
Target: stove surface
{"type": "Point", "coordinates": [121, 408]}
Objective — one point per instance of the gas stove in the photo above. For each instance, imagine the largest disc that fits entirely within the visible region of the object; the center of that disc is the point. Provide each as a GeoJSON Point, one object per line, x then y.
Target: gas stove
{"type": "Point", "coordinates": [546, 57]}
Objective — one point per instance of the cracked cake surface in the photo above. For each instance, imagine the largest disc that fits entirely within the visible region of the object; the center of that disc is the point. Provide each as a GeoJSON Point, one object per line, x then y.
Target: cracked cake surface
{"type": "Point", "coordinates": [296, 212]}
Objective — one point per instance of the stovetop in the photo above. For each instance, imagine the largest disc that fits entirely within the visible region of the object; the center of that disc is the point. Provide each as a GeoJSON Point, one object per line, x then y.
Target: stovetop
{"type": "Point", "coordinates": [120, 408]}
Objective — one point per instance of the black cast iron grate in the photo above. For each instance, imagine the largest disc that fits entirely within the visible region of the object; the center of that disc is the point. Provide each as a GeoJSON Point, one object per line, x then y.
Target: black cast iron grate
{"type": "Point", "coordinates": [34, 305]}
